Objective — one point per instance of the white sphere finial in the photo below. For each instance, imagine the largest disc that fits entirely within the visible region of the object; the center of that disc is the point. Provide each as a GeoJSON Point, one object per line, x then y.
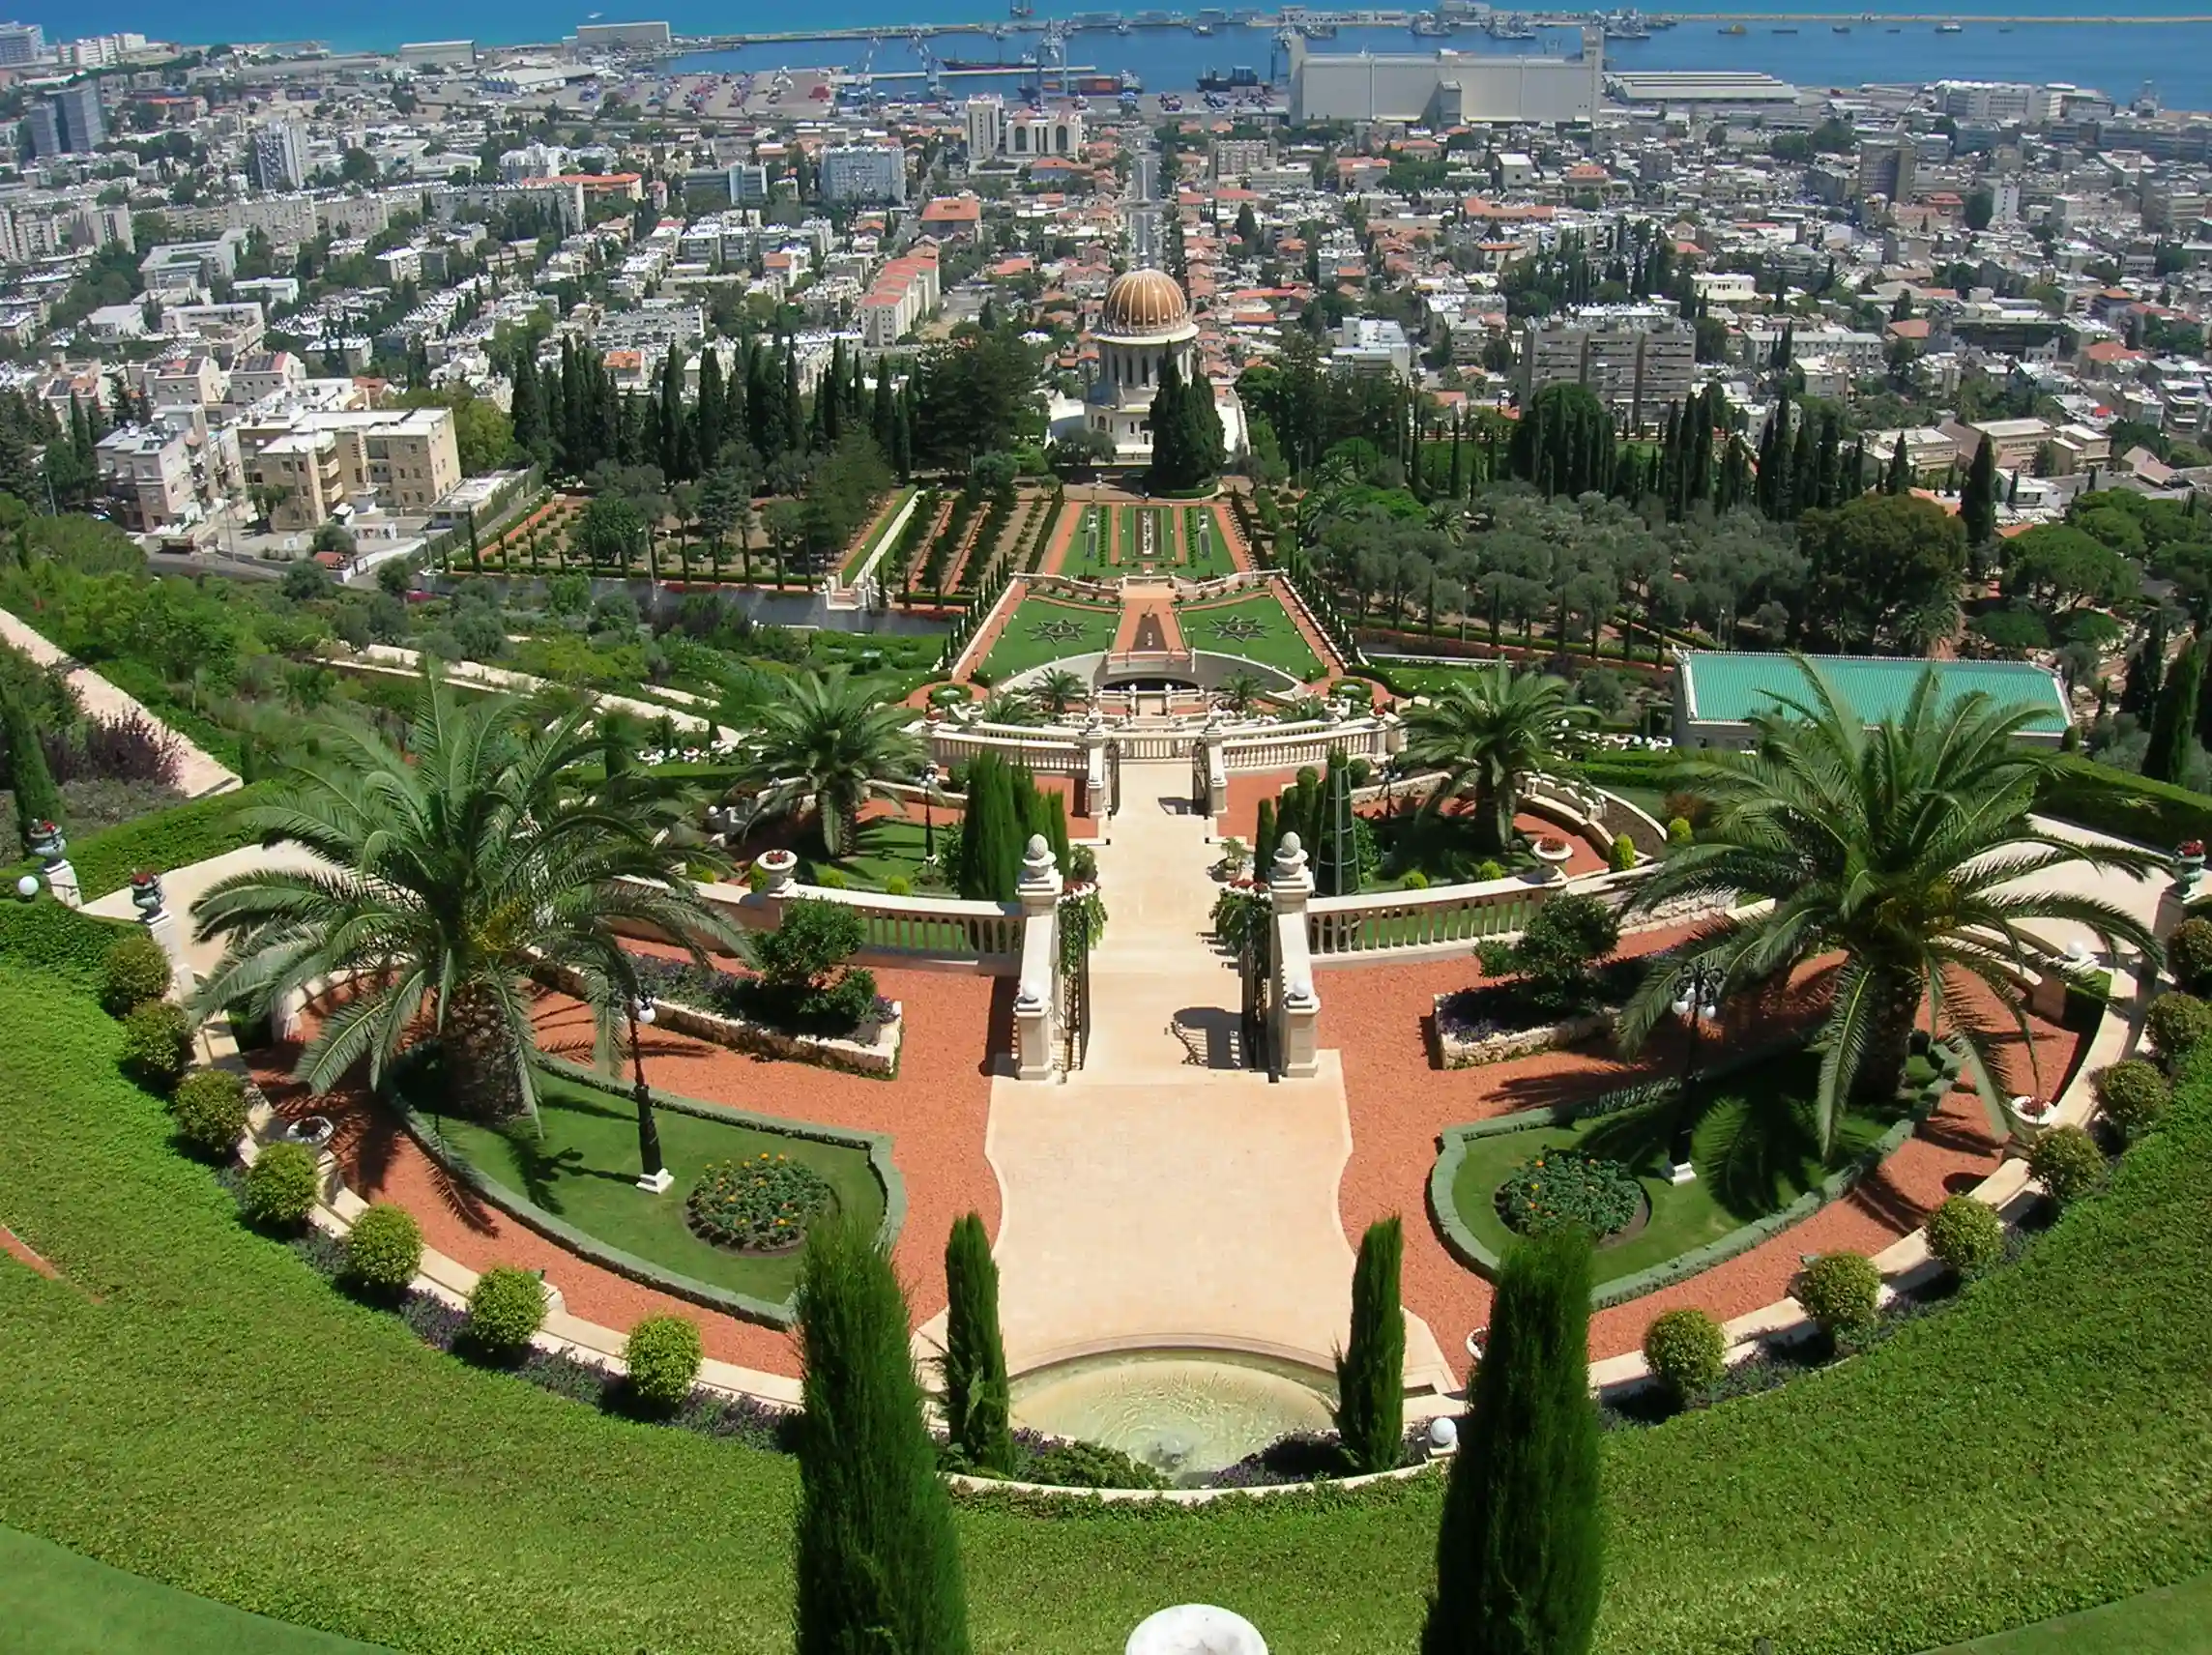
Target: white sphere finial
{"type": "Point", "coordinates": [1196, 1629]}
{"type": "Point", "coordinates": [27, 886]}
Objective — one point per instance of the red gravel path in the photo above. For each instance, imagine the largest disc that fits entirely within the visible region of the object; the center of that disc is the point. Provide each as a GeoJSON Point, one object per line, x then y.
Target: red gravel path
{"type": "Point", "coordinates": [1133, 610]}
{"type": "Point", "coordinates": [1247, 788]}
{"type": "Point", "coordinates": [1401, 1104]}
{"type": "Point", "coordinates": [935, 1113]}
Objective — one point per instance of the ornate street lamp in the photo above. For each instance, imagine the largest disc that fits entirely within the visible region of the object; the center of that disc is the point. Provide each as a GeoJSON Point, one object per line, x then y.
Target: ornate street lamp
{"type": "Point", "coordinates": [929, 775]}
{"type": "Point", "coordinates": [1697, 1003]}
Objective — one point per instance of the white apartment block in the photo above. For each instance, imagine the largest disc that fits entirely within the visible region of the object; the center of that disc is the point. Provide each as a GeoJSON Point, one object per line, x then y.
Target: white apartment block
{"type": "Point", "coordinates": [905, 291]}
{"type": "Point", "coordinates": [864, 173]}
{"type": "Point", "coordinates": [278, 155]}
{"type": "Point", "coordinates": [405, 459]}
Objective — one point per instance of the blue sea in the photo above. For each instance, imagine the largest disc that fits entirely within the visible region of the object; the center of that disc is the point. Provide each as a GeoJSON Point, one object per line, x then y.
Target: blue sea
{"type": "Point", "coordinates": [2172, 58]}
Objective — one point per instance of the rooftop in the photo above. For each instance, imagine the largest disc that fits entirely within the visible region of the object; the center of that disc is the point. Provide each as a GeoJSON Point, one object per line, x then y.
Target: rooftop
{"type": "Point", "coordinates": [1730, 687]}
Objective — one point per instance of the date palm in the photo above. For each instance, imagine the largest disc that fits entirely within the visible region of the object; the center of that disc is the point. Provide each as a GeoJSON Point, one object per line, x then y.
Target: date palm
{"type": "Point", "coordinates": [1012, 706]}
{"type": "Point", "coordinates": [829, 741]}
{"type": "Point", "coordinates": [1489, 732]}
{"type": "Point", "coordinates": [1906, 847]}
{"type": "Point", "coordinates": [447, 869]}
{"type": "Point", "coordinates": [1059, 691]}
{"type": "Point", "coordinates": [1241, 691]}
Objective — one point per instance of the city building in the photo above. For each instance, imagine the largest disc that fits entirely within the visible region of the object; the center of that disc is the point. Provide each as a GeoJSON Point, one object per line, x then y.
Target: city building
{"type": "Point", "coordinates": [905, 291]}
{"type": "Point", "coordinates": [21, 44]}
{"type": "Point", "coordinates": [1637, 359]}
{"type": "Point", "coordinates": [67, 122]}
{"type": "Point", "coordinates": [147, 474]}
{"type": "Point", "coordinates": [1447, 88]}
{"type": "Point", "coordinates": [330, 460]}
{"type": "Point", "coordinates": [1887, 169]}
{"type": "Point", "coordinates": [1374, 345]}
{"type": "Point", "coordinates": [986, 126]}
{"type": "Point", "coordinates": [280, 155]}
{"type": "Point", "coordinates": [616, 37]}
{"type": "Point", "coordinates": [181, 267]}
{"type": "Point", "coordinates": [869, 173]}
{"type": "Point", "coordinates": [1032, 133]}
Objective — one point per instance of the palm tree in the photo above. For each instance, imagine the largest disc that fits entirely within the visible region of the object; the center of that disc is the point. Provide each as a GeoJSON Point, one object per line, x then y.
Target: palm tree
{"type": "Point", "coordinates": [1012, 706]}
{"type": "Point", "coordinates": [1489, 732]}
{"type": "Point", "coordinates": [452, 868]}
{"type": "Point", "coordinates": [1059, 691]}
{"type": "Point", "coordinates": [1241, 691]}
{"type": "Point", "coordinates": [826, 739]}
{"type": "Point", "coordinates": [1906, 848]}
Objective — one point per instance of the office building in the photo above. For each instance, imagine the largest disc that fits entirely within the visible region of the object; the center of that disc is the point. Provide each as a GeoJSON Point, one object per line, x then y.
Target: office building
{"type": "Point", "coordinates": [1886, 168]}
{"type": "Point", "coordinates": [986, 128]}
{"type": "Point", "coordinates": [870, 173]}
{"type": "Point", "coordinates": [280, 156]}
{"type": "Point", "coordinates": [21, 44]}
{"type": "Point", "coordinates": [67, 122]}
{"type": "Point", "coordinates": [1637, 359]}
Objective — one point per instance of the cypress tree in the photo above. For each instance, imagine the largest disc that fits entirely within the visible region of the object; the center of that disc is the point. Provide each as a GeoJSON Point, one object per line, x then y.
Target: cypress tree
{"type": "Point", "coordinates": [977, 1394]}
{"type": "Point", "coordinates": [1043, 812]}
{"type": "Point", "coordinates": [707, 419]}
{"type": "Point", "coordinates": [37, 799]}
{"type": "Point", "coordinates": [2173, 722]}
{"type": "Point", "coordinates": [1899, 478]}
{"type": "Point", "coordinates": [877, 1558]}
{"type": "Point", "coordinates": [882, 411]}
{"type": "Point", "coordinates": [1371, 1369]}
{"type": "Point", "coordinates": [1264, 835]}
{"type": "Point", "coordinates": [2147, 671]}
{"type": "Point", "coordinates": [793, 409]}
{"type": "Point", "coordinates": [1978, 503]}
{"type": "Point", "coordinates": [1520, 1561]}
{"type": "Point", "coordinates": [1336, 856]}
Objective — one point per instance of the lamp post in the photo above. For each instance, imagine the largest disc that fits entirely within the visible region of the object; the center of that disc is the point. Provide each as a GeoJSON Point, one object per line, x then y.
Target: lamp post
{"type": "Point", "coordinates": [1697, 1003]}
{"type": "Point", "coordinates": [929, 775]}
{"type": "Point", "coordinates": [653, 1178]}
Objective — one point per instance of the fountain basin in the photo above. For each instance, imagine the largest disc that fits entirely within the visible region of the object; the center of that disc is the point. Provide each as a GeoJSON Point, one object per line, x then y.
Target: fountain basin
{"type": "Point", "coordinates": [1186, 1413]}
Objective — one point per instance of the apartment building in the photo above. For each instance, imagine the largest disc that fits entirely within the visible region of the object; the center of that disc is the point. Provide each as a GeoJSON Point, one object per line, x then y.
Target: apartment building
{"type": "Point", "coordinates": [278, 155]}
{"type": "Point", "coordinates": [864, 173]}
{"type": "Point", "coordinates": [904, 292]}
{"type": "Point", "coordinates": [183, 268]}
{"type": "Point", "coordinates": [21, 44]}
{"type": "Point", "coordinates": [67, 122]}
{"type": "Point", "coordinates": [1637, 359]}
{"type": "Point", "coordinates": [1888, 169]}
{"type": "Point", "coordinates": [325, 459]}
{"type": "Point", "coordinates": [147, 473]}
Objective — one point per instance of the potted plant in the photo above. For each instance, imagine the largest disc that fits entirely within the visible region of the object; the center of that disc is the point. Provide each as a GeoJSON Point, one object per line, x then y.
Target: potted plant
{"type": "Point", "coordinates": [2191, 857]}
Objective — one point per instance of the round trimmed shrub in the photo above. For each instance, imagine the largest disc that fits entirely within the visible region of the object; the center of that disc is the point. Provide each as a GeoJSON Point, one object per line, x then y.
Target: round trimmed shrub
{"type": "Point", "coordinates": [281, 1185]}
{"type": "Point", "coordinates": [1687, 1352]}
{"type": "Point", "coordinates": [2133, 1095]}
{"type": "Point", "coordinates": [209, 1109]}
{"type": "Point", "coordinates": [2189, 955]}
{"type": "Point", "coordinates": [1490, 870]}
{"type": "Point", "coordinates": [898, 884]}
{"type": "Point", "coordinates": [1840, 1291]}
{"type": "Point", "coordinates": [662, 1353]}
{"type": "Point", "coordinates": [507, 1307]}
{"type": "Point", "coordinates": [1679, 831]}
{"type": "Point", "coordinates": [1554, 1188]}
{"type": "Point", "coordinates": [2175, 1025]}
{"type": "Point", "coordinates": [157, 1045]}
{"type": "Point", "coordinates": [1413, 880]}
{"type": "Point", "coordinates": [384, 1249]}
{"type": "Point", "coordinates": [2067, 1163]}
{"type": "Point", "coordinates": [1623, 852]}
{"type": "Point", "coordinates": [1967, 1235]}
{"type": "Point", "coordinates": [134, 969]}
{"type": "Point", "coordinates": [763, 1204]}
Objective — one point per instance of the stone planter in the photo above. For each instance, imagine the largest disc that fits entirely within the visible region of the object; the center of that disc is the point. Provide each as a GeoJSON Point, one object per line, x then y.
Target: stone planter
{"type": "Point", "coordinates": [1456, 1051]}
{"type": "Point", "coordinates": [872, 1049]}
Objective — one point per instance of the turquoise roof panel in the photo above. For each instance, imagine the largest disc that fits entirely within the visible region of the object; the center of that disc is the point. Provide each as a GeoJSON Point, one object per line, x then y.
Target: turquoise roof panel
{"type": "Point", "coordinates": [1726, 687]}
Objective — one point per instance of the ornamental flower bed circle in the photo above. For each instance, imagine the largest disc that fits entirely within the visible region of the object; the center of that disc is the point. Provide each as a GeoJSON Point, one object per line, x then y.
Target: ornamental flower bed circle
{"type": "Point", "coordinates": [1558, 1187]}
{"type": "Point", "coordinates": [760, 1204]}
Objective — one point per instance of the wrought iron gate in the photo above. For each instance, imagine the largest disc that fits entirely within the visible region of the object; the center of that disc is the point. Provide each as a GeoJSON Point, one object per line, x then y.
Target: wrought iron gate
{"type": "Point", "coordinates": [1255, 974]}
{"type": "Point", "coordinates": [1075, 984]}
{"type": "Point", "coordinates": [1114, 777]}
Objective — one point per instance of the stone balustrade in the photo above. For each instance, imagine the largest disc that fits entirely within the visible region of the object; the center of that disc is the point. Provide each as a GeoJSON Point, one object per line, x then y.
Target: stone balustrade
{"type": "Point", "coordinates": [901, 930]}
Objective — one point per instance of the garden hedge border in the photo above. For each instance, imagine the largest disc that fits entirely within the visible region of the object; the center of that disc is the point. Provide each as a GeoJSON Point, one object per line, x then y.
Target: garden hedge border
{"type": "Point", "coordinates": [783, 1315]}
{"type": "Point", "coordinates": [1464, 1246]}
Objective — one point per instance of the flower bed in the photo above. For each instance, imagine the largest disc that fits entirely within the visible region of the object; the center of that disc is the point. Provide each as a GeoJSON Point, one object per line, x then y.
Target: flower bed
{"type": "Point", "coordinates": [1556, 1187]}
{"type": "Point", "coordinates": [760, 1204]}
{"type": "Point", "coordinates": [738, 1012]}
{"type": "Point", "coordinates": [1468, 1040]}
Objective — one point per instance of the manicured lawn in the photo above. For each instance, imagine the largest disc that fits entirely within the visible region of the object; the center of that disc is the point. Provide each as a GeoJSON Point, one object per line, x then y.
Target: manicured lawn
{"type": "Point", "coordinates": [1045, 630]}
{"type": "Point", "coordinates": [584, 1169]}
{"type": "Point", "coordinates": [53, 1602]}
{"type": "Point", "coordinates": [1204, 549]}
{"type": "Point", "coordinates": [1272, 638]}
{"type": "Point", "coordinates": [194, 1405]}
{"type": "Point", "coordinates": [2173, 1620]}
{"type": "Point", "coordinates": [887, 848]}
{"type": "Point", "coordinates": [872, 536]}
{"type": "Point", "coordinates": [1090, 548]}
{"type": "Point", "coordinates": [1753, 1157]}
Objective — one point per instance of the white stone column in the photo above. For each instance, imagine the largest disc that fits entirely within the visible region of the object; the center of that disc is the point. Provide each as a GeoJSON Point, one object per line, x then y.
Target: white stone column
{"type": "Point", "coordinates": [1296, 1014]}
{"type": "Point", "coordinates": [1211, 746]}
{"type": "Point", "coordinates": [1095, 794]}
{"type": "Point", "coordinates": [1036, 991]}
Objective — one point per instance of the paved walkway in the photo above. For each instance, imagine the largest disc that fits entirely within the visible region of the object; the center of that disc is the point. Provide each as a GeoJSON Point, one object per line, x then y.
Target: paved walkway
{"type": "Point", "coordinates": [1159, 1197]}
{"type": "Point", "coordinates": [198, 773]}
{"type": "Point", "coordinates": [393, 659]}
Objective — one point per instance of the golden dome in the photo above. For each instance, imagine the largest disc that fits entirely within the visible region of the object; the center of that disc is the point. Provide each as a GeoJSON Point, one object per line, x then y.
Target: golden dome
{"type": "Point", "coordinates": [1144, 301]}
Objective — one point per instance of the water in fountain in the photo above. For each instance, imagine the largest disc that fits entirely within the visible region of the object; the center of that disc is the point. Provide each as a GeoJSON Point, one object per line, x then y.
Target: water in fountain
{"type": "Point", "coordinates": [1184, 1413]}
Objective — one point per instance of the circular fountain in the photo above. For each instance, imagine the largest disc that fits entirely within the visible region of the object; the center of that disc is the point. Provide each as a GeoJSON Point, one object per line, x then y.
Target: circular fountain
{"type": "Point", "coordinates": [1184, 1413]}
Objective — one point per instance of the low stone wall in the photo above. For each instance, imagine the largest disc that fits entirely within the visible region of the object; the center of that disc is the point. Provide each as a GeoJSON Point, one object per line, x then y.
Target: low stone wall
{"type": "Point", "coordinates": [1460, 1053]}
{"type": "Point", "coordinates": [876, 1056]}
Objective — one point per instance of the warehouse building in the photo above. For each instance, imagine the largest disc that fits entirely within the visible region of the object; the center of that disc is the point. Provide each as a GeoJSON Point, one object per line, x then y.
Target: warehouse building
{"type": "Point", "coordinates": [1448, 88]}
{"type": "Point", "coordinates": [1717, 693]}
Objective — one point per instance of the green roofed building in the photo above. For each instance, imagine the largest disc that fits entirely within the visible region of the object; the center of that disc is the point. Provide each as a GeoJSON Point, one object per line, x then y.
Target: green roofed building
{"type": "Point", "coordinates": [1717, 693]}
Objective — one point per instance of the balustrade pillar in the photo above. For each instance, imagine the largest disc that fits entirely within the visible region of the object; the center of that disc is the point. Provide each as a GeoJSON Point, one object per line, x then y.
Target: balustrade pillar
{"type": "Point", "coordinates": [1036, 995]}
{"type": "Point", "coordinates": [1297, 1016]}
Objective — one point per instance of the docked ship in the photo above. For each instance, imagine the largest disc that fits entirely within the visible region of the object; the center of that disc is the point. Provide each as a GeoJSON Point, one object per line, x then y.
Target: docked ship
{"type": "Point", "coordinates": [1513, 28]}
{"type": "Point", "coordinates": [1735, 29]}
{"type": "Point", "coordinates": [1950, 28]}
{"type": "Point", "coordinates": [1241, 79]}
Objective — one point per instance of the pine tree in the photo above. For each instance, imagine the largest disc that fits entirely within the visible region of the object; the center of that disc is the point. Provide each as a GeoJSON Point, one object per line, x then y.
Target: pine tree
{"type": "Point", "coordinates": [877, 1558]}
{"type": "Point", "coordinates": [977, 1394]}
{"type": "Point", "coordinates": [1520, 1562]}
{"type": "Point", "coordinates": [37, 799]}
{"type": "Point", "coordinates": [1371, 1370]}
{"type": "Point", "coordinates": [1978, 503]}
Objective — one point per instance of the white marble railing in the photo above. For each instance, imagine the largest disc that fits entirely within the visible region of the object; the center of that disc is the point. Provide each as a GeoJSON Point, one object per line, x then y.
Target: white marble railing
{"type": "Point", "coordinates": [1446, 913]}
{"type": "Point", "coordinates": [908, 928]}
{"type": "Point", "coordinates": [1291, 746]}
{"type": "Point", "coordinates": [1047, 754]}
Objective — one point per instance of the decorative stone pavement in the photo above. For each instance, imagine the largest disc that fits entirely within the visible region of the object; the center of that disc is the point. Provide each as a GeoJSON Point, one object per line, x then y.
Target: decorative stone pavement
{"type": "Point", "coordinates": [1159, 1197]}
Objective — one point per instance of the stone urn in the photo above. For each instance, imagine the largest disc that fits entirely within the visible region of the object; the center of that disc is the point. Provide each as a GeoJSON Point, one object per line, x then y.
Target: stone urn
{"type": "Point", "coordinates": [1196, 1629]}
